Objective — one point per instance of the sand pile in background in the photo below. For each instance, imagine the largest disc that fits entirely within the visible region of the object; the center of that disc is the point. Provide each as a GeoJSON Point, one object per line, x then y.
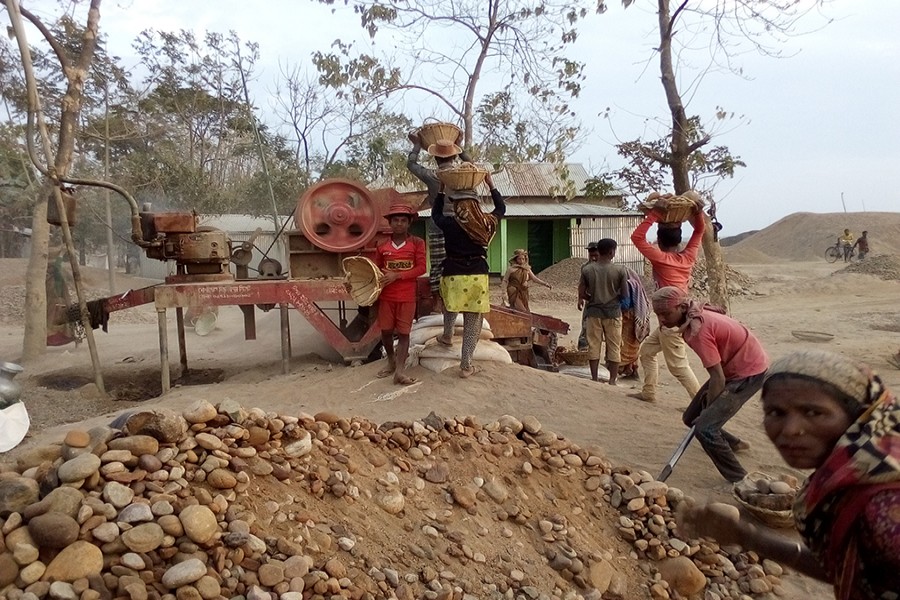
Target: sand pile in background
{"type": "Point", "coordinates": [805, 236]}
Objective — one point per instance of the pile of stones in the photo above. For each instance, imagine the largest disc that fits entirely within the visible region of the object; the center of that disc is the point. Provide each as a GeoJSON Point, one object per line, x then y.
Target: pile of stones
{"type": "Point", "coordinates": [883, 266]}
{"type": "Point", "coordinates": [227, 502]}
{"type": "Point", "coordinates": [737, 283]}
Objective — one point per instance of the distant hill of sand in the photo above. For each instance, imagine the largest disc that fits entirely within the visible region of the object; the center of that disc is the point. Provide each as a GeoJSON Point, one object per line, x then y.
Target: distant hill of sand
{"type": "Point", "coordinates": [805, 236]}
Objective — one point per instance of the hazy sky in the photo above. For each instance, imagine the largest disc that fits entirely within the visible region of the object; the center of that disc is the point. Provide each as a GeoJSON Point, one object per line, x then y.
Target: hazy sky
{"type": "Point", "coordinates": [823, 122]}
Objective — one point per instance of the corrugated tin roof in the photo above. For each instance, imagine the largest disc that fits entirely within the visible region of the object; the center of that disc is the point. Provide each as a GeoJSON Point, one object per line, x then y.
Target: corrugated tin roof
{"type": "Point", "coordinates": [242, 223]}
{"type": "Point", "coordinates": [526, 180]}
{"type": "Point", "coordinates": [560, 210]}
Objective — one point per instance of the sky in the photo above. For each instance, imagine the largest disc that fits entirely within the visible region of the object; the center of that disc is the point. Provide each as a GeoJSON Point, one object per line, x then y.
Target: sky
{"type": "Point", "coordinates": [820, 128]}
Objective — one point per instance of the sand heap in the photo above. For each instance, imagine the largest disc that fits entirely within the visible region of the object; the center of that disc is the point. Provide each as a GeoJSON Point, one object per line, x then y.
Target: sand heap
{"type": "Point", "coordinates": [223, 502]}
{"type": "Point", "coordinates": [805, 236]}
{"type": "Point", "coordinates": [883, 266]}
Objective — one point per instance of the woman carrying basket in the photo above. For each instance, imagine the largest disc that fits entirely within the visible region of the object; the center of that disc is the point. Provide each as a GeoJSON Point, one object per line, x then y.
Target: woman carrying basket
{"type": "Point", "coordinates": [826, 412]}
{"type": "Point", "coordinates": [464, 277]}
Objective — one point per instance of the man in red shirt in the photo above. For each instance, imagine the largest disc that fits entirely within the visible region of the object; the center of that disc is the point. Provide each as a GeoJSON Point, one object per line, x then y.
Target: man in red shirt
{"type": "Point", "coordinates": [670, 267]}
{"type": "Point", "coordinates": [401, 259]}
{"type": "Point", "coordinates": [735, 361]}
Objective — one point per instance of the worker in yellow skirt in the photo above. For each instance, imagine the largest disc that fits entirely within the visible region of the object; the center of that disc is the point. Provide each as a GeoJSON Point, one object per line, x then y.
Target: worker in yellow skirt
{"type": "Point", "coordinates": [464, 278]}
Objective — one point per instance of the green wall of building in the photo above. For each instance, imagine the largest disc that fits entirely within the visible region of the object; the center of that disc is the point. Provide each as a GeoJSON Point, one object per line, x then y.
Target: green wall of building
{"type": "Point", "coordinates": [561, 247]}
{"type": "Point", "coordinates": [513, 234]}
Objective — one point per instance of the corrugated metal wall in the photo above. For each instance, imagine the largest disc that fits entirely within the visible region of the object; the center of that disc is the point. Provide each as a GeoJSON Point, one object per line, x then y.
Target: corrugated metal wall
{"type": "Point", "coordinates": [617, 228]}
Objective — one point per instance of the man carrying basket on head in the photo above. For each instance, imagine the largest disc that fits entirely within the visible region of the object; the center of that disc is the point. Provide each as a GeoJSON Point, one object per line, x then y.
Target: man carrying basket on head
{"type": "Point", "coordinates": [445, 153]}
{"type": "Point", "coordinates": [401, 259]}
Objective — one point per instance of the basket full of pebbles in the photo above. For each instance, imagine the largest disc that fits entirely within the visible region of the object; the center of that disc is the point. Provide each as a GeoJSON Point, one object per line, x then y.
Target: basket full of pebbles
{"type": "Point", "coordinates": [768, 498]}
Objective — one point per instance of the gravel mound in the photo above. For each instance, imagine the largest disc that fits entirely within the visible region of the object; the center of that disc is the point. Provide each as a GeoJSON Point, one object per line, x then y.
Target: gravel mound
{"type": "Point", "coordinates": [223, 502]}
{"type": "Point", "coordinates": [739, 284]}
{"type": "Point", "coordinates": [884, 266]}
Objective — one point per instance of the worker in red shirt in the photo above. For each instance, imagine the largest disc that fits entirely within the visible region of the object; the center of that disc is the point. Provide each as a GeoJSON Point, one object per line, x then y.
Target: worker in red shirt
{"type": "Point", "coordinates": [401, 259]}
{"type": "Point", "coordinates": [671, 267]}
{"type": "Point", "coordinates": [736, 363]}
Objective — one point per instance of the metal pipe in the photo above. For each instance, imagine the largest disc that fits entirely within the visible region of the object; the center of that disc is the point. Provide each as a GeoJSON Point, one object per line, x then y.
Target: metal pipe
{"type": "Point", "coordinates": [182, 346]}
{"type": "Point", "coordinates": [165, 376]}
{"type": "Point", "coordinates": [285, 339]}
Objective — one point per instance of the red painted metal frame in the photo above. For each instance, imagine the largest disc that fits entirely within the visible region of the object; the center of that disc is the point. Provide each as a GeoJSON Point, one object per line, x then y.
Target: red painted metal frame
{"type": "Point", "coordinates": [299, 293]}
{"type": "Point", "coordinates": [130, 299]}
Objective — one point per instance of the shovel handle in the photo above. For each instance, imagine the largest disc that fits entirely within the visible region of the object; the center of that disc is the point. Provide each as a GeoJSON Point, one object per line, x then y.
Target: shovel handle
{"type": "Point", "coordinates": [667, 470]}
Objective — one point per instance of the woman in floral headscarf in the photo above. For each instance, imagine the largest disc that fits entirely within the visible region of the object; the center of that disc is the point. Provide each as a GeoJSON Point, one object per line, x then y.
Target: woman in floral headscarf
{"type": "Point", "coordinates": [825, 412]}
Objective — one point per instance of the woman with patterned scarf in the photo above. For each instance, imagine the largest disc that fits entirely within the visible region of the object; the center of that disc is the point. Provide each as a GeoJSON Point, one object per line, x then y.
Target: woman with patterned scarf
{"type": "Point", "coordinates": [826, 412]}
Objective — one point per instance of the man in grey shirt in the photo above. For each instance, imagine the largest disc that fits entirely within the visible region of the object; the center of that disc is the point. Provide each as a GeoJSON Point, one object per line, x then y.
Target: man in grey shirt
{"type": "Point", "coordinates": [602, 287]}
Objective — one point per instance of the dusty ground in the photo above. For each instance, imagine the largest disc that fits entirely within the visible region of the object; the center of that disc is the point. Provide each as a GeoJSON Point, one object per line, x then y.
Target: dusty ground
{"type": "Point", "coordinates": [860, 310]}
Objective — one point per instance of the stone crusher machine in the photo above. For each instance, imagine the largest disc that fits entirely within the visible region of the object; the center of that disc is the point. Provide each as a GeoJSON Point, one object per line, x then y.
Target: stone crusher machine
{"type": "Point", "coordinates": [334, 219]}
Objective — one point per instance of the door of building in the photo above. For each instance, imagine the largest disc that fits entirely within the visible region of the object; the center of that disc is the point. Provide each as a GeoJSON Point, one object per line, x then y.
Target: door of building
{"type": "Point", "coordinates": [540, 244]}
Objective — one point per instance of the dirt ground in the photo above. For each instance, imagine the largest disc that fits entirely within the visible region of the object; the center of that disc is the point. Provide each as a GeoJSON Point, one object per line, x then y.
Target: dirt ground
{"type": "Point", "coordinates": [860, 310]}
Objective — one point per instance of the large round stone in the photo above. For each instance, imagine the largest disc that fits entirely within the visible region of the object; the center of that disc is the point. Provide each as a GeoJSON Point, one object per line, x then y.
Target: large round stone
{"type": "Point", "coordinates": [136, 444]}
{"type": "Point", "coordinates": [184, 573]}
{"type": "Point", "coordinates": [53, 530]}
{"type": "Point", "coordinates": [143, 538]}
{"type": "Point", "coordinates": [80, 467]}
{"type": "Point", "coordinates": [200, 411]}
{"type": "Point", "coordinates": [163, 425]}
{"type": "Point", "coordinates": [16, 494]}
{"type": "Point", "coordinates": [79, 560]}
{"type": "Point", "coordinates": [222, 479]}
{"type": "Point", "coordinates": [199, 523]}
{"type": "Point", "coordinates": [682, 575]}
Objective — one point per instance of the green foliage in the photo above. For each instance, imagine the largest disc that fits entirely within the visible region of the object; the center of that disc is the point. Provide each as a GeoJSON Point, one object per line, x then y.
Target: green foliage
{"type": "Point", "coordinates": [508, 133]}
{"type": "Point", "coordinates": [649, 163]}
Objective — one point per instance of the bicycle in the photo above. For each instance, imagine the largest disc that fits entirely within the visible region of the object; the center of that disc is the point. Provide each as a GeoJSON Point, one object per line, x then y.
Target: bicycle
{"type": "Point", "coordinates": [836, 252]}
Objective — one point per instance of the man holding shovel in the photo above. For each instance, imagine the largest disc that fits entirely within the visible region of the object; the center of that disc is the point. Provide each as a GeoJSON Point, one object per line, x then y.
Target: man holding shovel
{"type": "Point", "coordinates": [735, 361]}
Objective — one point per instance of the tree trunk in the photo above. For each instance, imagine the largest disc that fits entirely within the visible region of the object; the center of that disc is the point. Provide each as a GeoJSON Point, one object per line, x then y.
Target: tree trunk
{"type": "Point", "coordinates": [35, 338]}
{"type": "Point", "coordinates": [680, 152]}
{"type": "Point", "coordinates": [34, 342]}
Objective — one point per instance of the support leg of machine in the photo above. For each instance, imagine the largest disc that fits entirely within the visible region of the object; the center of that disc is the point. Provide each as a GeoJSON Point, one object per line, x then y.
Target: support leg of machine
{"type": "Point", "coordinates": [182, 346]}
{"type": "Point", "coordinates": [164, 351]}
{"type": "Point", "coordinates": [285, 339]}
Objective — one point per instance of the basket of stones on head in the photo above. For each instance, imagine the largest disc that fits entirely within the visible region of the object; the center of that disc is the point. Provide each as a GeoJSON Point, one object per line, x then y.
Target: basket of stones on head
{"type": "Point", "coordinates": [670, 208]}
{"type": "Point", "coordinates": [768, 498]}
{"type": "Point", "coordinates": [431, 133]}
{"type": "Point", "coordinates": [464, 176]}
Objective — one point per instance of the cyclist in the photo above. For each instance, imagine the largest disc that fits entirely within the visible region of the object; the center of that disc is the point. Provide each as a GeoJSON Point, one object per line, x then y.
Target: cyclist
{"type": "Point", "coordinates": [846, 243]}
{"type": "Point", "coordinates": [863, 244]}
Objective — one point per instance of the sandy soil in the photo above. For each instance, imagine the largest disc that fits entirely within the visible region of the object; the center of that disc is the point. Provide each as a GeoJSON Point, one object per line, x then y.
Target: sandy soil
{"type": "Point", "coordinates": [860, 310]}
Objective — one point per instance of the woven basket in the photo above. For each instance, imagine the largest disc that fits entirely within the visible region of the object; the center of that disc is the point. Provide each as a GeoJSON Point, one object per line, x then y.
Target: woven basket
{"type": "Point", "coordinates": [465, 176]}
{"type": "Point", "coordinates": [362, 276]}
{"type": "Point", "coordinates": [672, 209]}
{"type": "Point", "coordinates": [430, 133]}
{"type": "Point", "coordinates": [577, 358]}
{"type": "Point", "coordinates": [782, 519]}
